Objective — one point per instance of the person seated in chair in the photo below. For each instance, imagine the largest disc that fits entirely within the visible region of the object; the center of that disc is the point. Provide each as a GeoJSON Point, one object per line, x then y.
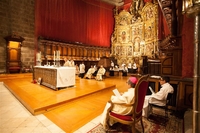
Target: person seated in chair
{"type": "Point", "coordinates": [126, 97]}
{"type": "Point", "coordinates": [89, 73]}
{"type": "Point", "coordinates": [66, 64]}
{"type": "Point", "coordinates": [129, 67]}
{"type": "Point", "coordinates": [124, 70]}
{"type": "Point", "coordinates": [134, 67]}
{"type": "Point", "coordinates": [100, 73]}
{"type": "Point", "coordinates": [96, 70]}
{"type": "Point", "coordinates": [111, 71]}
{"type": "Point", "coordinates": [158, 98]}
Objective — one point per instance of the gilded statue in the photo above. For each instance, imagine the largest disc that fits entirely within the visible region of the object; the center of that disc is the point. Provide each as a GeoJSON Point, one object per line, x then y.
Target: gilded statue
{"type": "Point", "coordinates": [136, 6]}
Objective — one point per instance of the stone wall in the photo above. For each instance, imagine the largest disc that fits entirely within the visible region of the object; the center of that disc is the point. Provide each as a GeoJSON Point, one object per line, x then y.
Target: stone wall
{"type": "Point", "coordinates": [17, 16]}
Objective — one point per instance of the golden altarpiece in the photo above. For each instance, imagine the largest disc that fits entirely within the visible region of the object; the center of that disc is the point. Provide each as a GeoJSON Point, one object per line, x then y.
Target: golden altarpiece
{"type": "Point", "coordinates": [135, 34]}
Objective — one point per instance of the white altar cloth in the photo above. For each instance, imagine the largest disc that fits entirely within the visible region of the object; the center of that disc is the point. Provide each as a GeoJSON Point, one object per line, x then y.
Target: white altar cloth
{"type": "Point", "coordinates": [65, 76]}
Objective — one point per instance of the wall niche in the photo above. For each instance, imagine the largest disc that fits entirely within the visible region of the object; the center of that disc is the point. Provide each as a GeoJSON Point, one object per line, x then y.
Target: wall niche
{"type": "Point", "coordinates": [13, 53]}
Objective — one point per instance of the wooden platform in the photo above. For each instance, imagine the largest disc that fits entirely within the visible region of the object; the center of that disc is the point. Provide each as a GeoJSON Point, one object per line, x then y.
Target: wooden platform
{"type": "Point", "coordinates": [69, 108]}
{"type": "Point", "coordinates": [39, 99]}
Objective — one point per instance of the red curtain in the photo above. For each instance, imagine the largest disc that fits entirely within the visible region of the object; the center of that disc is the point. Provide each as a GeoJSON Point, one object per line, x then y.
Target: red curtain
{"type": "Point", "coordinates": [89, 22]}
{"type": "Point", "coordinates": [187, 47]}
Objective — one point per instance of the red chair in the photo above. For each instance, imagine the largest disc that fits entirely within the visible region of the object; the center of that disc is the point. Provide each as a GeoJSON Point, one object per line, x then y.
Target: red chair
{"type": "Point", "coordinates": [140, 92]}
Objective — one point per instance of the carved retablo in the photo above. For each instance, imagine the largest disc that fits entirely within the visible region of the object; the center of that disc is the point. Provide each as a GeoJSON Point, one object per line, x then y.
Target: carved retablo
{"type": "Point", "coordinates": [136, 33]}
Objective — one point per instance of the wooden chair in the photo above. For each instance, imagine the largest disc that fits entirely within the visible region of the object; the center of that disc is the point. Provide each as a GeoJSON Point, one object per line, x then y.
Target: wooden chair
{"type": "Point", "coordinates": [165, 107]}
{"type": "Point", "coordinates": [140, 92]}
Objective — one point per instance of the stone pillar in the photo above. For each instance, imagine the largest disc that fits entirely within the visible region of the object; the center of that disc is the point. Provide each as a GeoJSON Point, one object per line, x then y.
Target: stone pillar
{"type": "Point", "coordinates": [194, 11]}
{"type": "Point", "coordinates": [196, 83]}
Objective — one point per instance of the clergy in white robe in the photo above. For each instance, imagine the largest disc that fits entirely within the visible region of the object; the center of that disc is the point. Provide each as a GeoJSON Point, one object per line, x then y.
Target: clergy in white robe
{"type": "Point", "coordinates": [100, 73]}
{"type": "Point", "coordinates": [71, 64]}
{"type": "Point", "coordinates": [124, 70]}
{"type": "Point", "coordinates": [89, 73]}
{"type": "Point", "coordinates": [66, 64]}
{"type": "Point", "coordinates": [126, 97]}
{"type": "Point", "coordinates": [158, 98]}
{"type": "Point", "coordinates": [82, 70]}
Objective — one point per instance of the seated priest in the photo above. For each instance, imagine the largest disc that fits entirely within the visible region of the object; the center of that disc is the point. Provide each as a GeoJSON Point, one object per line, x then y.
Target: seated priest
{"type": "Point", "coordinates": [112, 64]}
{"type": "Point", "coordinates": [100, 73]}
{"type": "Point", "coordinates": [116, 68]}
{"type": "Point", "coordinates": [134, 67]}
{"type": "Point", "coordinates": [67, 62]}
{"type": "Point", "coordinates": [71, 64]}
{"type": "Point", "coordinates": [130, 67]}
{"type": "Point", "coordinates": [158, 98]}
{"type": "Point", "coordinates": [96, 70]}
{"type": "Point", "coordinates": [124, 70]}
{"type": "Point", "coordinates": [111, 71]}
{"type": "Point", "coordinates": [89, 73]}
{"type": "Point", "coordinates": [127, 97]}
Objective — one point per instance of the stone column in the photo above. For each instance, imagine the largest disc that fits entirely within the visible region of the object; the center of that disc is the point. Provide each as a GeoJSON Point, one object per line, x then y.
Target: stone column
{"type": "Point", "coordinates": [196, 83]}
{"type": "Point", "coordinates": [194, 11]}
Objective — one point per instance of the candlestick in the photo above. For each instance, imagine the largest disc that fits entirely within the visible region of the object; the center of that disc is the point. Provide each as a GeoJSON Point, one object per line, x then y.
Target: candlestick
{"type": "Point", "coordinates": [54, 55]}
{"type": "Point", "coordinates": [40, 56]}
{"type": "Point", "coordinates": [58, 55]}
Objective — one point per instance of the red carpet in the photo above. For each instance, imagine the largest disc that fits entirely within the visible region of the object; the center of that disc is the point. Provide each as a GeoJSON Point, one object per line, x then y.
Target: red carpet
{"type": "Point", "coordinates": [174, 125]}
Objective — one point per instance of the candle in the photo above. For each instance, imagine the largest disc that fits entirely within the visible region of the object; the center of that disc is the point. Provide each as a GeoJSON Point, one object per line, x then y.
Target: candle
{"type": "Point", "coordinates": [40, 56]}
{"type": "Point", "coordinates": [58, 55]}
{"type": "Point", "coordinates": [54, 55]}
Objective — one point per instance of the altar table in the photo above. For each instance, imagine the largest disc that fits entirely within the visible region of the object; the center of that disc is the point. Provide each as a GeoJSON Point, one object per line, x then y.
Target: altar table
{"type": "Point", "coordinates": [55, 77]}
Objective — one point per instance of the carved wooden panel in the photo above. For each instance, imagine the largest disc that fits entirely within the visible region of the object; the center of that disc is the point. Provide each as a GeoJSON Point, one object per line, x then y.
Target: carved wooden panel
{"type": "Point", "coordinates": [167, 66]}
{"type": "Point", "coordinates": [154, 67]}
{"type": "Point", "coordinates": [167, 61]}
{"type": "Point", "coordinates": [171, 62]}
{"type": "Point", "coordinates": [54, 48]}
{"type": "Point", "coordinates": [59, 48]}
{"type": "Point", "coordinates": [75, 52]}
{"type": "Point", "coordinates": [13, 60]}
{"type": "Point", "coordinates": [48, 49]}
{"type": "Point", "coordinates": [64, 51]}
{"type": "Point", "coordinates": [167, 70]}
{"type": "Point", "coordinates": [188, 98]}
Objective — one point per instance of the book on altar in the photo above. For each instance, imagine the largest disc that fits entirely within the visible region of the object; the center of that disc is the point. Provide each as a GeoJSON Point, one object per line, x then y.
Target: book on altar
{"type": "Point", "coordinates": [152, 91]}
{"type": "Point", "coordinates": [116, 92]}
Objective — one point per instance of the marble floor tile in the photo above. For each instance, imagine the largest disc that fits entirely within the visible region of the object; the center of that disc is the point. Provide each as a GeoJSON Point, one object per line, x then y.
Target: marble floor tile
{"type": "Point", "coordinates": [15, 118]}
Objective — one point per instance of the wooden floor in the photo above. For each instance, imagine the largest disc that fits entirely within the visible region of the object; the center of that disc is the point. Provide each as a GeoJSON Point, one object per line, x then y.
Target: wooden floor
{"type": "Point", "coordinates": [69, 108]}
